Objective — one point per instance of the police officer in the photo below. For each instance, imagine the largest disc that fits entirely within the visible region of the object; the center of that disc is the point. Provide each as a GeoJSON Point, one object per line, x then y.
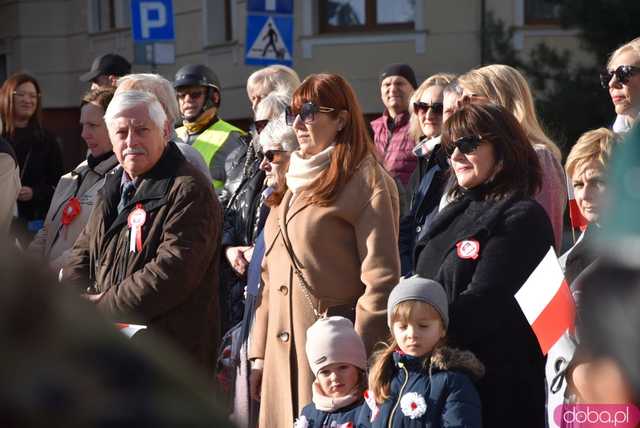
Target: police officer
{"type": "Point", "coordinates": [198, 90]}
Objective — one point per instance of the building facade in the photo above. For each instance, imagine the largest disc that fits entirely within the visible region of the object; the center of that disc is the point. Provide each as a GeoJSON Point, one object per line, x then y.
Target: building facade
{"type": "Point", "coordinates": [56, 41]}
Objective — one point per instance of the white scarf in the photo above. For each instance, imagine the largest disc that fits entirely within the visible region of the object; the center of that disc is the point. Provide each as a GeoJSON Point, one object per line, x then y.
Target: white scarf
{"type": "Point", "coordinates": [302, 172]}
{"type": "Point", "coordinates": [327, 404]}
{"type": "Point", "coordinates": [623, 124]}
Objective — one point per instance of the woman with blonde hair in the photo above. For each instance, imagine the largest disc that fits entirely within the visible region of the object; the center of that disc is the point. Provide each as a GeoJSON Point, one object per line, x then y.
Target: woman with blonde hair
{"type": "Point", "coordinates": [586, 168]}
{"type": "Point", "coordinates": [505, 86]}
{"type": "Point", "coordinates": [622, 79]}
{"type": "Point", "coordinates": [427, 181]}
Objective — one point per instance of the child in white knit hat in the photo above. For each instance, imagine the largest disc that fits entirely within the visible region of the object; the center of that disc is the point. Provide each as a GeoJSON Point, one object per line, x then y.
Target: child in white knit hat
{"type": "Point", "coordinates": [338, 360]}
{"type": "Point", "coordinates": [416, 380]}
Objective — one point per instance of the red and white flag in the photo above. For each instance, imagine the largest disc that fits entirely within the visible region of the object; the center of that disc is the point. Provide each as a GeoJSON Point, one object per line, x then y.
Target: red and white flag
{"type": "Point", "coordinates": [547, 303]}
{"type": "Point", "coordinates": [130, 329]}
{"type": "Point", "coordinates": [577, 219]}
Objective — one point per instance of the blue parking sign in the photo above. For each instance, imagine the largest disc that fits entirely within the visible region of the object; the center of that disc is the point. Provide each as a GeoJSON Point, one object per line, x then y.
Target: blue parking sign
{"type": "Point", "coordinates": [270, 6]}
{"type": "Point", "coordinates": [152, 20]}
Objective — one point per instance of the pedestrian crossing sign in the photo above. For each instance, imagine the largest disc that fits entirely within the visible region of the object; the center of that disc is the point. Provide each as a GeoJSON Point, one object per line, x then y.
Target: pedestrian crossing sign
{"type": "Point", "coordinates": [269, 40]}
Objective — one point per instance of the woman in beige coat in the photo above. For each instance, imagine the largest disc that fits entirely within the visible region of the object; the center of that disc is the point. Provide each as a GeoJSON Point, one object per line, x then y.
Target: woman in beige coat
{"type": "Point", "coordinates": [335, 230]}
{"type": "Point", "coordinates": [77, 191]}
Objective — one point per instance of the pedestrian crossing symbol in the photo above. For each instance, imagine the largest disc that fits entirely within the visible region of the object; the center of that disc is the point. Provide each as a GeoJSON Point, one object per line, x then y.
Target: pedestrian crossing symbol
{"type": "Point", "coordinates": [269, 40]}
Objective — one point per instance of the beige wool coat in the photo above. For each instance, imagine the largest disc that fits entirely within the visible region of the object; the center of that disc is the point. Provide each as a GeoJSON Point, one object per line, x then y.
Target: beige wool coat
{"type": "Point", "coordinates": [53, 242]}
{"type": "Point", "coordinates": [349, 256]}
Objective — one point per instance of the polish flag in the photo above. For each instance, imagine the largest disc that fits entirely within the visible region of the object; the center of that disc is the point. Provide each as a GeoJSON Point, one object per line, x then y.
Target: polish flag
{"type": "Point", "coordinates": [130, 329]}
{"type": "Point", "coordinates": [547, 303]}
{"type": "Point", "coordinates": [577, 219]}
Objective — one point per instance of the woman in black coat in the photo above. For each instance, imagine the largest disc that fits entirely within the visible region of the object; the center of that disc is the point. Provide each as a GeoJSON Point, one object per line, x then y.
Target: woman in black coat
{"type": "Point", "coordinates": [482, 247]}
{"type": "Point", "coordinates": [37, 152]}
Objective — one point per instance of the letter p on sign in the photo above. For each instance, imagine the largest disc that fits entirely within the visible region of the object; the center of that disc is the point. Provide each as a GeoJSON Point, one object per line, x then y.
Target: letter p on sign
{"type": "Point", "coordinates": [152, 20]}
{"type": "Point", "coordinates": [152, 15]}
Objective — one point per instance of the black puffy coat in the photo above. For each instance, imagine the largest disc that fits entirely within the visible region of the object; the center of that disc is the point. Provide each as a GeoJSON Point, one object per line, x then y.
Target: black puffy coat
{"type": "Point", "coordinates": [424, 190]}
{"type": "Point", "coordinates": [40, 160]}
{"type": "Point", "coordinates": [244, 218]}
{"type": "Point", "coordinates": [482, 251]}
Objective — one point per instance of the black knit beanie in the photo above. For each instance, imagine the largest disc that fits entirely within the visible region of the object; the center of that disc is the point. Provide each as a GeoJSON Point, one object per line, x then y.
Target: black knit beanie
{"type": "Point", "coordinates": [403, 70]}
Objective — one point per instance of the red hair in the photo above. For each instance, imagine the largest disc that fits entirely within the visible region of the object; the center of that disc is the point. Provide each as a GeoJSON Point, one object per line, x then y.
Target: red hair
{"type": "Point", "coordinates": [353, 143]}
{"type": "Point", "coordinates": [7, 107]}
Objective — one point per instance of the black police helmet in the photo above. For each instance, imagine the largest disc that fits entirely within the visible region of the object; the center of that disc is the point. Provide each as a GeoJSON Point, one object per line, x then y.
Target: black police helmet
{"type": "Point", "coordinates": [196, 75]}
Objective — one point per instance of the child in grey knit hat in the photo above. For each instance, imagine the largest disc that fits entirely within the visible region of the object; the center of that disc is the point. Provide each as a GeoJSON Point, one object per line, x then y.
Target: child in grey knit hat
{"type": "Point", "coordinates": [417, 380]}
{"type": "Point", "coordinates": [338, 360]}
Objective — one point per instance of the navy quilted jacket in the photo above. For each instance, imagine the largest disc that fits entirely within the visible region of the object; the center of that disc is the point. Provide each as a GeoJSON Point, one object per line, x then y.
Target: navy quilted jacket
{"type": "Point", "coordinates": [341, 418]}
{"type": "Point", "coordinates": [437, 392]}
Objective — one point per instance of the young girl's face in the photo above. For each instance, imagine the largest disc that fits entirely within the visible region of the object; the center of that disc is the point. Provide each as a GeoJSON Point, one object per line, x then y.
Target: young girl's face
{"type": "Point", "coordinates": [338, 379]}
{"type": "Point", "coordinates": [419, 330]}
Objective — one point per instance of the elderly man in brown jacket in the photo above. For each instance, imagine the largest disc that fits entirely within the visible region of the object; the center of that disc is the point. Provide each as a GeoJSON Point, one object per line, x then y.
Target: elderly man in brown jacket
{"type": "Point", "coordinates": [150, 251]}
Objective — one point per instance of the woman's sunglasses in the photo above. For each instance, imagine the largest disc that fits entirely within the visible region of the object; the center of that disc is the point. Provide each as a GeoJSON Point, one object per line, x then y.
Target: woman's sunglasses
{"type": "Point", "coordinates": [622, 73]}
{"type": "Point", "coordinates": [274, 155]}
{"type": "Point", "coordinates": [466, 145]}
{"type": "Point", "coordinates": [423, 108]}
{"type": "Point", "coordinates": [259, 125]}
{"type": "Point", "coordinates": [307, 113]}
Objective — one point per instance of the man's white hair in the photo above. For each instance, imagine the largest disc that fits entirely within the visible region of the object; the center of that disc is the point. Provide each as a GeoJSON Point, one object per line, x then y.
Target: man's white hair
{"type": "Point", "coordinates": [129, 99]}
{"type": "Point", "coordinates": [277, 132]}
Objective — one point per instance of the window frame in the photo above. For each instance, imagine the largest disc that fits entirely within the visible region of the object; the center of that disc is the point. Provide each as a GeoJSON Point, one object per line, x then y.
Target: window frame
{"type": "Point", "coordinates": [370, 25]}
{"type": "Point", "coordinates": [529, 21]}
{"type": "Point", "coordinates": [119, 15]}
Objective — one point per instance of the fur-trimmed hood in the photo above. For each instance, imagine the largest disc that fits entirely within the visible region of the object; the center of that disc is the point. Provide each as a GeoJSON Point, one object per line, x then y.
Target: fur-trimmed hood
{"type": "Point", "coordinates": [445, 358]}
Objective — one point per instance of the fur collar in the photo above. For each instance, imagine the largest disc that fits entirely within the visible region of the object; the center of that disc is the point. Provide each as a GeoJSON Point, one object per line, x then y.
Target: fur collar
{"type": "Point", "coordinates": [445, 358]}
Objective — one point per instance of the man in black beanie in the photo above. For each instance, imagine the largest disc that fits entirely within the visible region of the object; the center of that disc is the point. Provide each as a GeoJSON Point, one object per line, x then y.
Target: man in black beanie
{"type": "Point", "coordinates": [391, 130]}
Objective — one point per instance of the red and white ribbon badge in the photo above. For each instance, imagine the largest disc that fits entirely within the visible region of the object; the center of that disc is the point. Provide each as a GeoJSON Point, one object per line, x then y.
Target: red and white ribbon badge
{"type": "Point", "coordinates": [136, 220]}
{"type": "Point", "coordinates": [468, 249]}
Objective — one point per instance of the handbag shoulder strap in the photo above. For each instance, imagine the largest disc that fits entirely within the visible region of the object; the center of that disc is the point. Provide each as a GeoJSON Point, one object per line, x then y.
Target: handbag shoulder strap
{"type": "Point", "coordinates": [306, 290]}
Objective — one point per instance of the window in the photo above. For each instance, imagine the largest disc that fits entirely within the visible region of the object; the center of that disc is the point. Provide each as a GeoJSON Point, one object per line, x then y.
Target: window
{"type": "Point", "coordinates": [218, 17]}
{"type": "Point", "coordinates": [365, 15]}
{"type": "Point", "coordinates": [107, 15]}
{"type": "Point", "coordinates": [542, 12]}
{"type": "Point", "coordinates": [228, 19]}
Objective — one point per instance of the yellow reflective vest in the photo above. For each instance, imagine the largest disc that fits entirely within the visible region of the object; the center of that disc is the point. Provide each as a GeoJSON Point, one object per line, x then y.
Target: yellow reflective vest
{"type": "Point", "coordinates": [210, 141]}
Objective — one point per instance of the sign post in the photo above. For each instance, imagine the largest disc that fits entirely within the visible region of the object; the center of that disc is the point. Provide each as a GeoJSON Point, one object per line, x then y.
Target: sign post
{"type": "Point", "coordinates": [269, 32]}
{"type": "Point", "coordinates": [153, 32]}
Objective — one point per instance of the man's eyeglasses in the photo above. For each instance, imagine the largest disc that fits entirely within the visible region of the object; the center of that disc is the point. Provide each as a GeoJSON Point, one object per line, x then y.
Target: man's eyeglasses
{"type": "Point", "coordinates": [259, 125]}
{"type": "Point", "coordinates": [24, 95]}
{"type": "Point", "coordinates": [423, 108]}
{"type": "Point", "coordinates": [274, 155]}
{"type": "Point", "coordinates": [307, 113]}
{"type": "Point", "coordinates": [466, 145]}
{"type": "Point", "coordinates": [192, 94]}
{"type": "Point", "coordinates": [623, 73]}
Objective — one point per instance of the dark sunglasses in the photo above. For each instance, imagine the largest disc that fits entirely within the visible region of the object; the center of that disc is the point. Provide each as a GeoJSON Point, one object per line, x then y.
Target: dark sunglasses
{"type": "Point", "coordinates": [466, 145]}
{"type": "Point", "coordinates": [274, 155]}
{"type": "Point", "coordinates": [424, 107]}
{"type": "Point", "coordinates": [259, 125]}
{"type": "Point", "coordinates": [307, 112]}
{"type": "Point", "coordinates": [622, 73]}
{"type": "Point", "coordinates": [192, 94]}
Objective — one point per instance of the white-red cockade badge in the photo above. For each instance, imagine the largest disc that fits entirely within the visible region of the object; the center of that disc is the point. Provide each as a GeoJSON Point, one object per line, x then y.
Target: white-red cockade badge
{"type": "Point", "coordinates": [468, 249]}
{"type": "Point", "coordinates": [136, 220]}
{"type": "Point", "coordinates": [413, 405]}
